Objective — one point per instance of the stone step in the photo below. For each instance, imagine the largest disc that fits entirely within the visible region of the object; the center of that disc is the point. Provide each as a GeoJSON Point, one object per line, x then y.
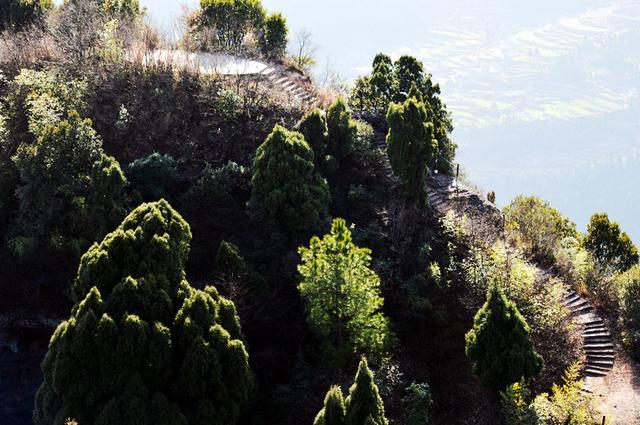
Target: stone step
{"type": "Point", "coordinates": [600, 363]}
{"type": "Point", "coordinates": [578, 302]}
{"type": "Point", "coordinates": [599, 352]}
{"type": "Point", "coordinates": [596, 367]}
{"type": "Point", "coordinates": [597, 325]}
{"type": "Point", "coordinates": [572, 298]}
{"type": "Point", "coordinates": [599, 334]}
{"type": "Point", "coordinates": [595, 329]}
{"type": "Point", "coordinates": [594, 372]}
{"type": "Point", "coordinates": [600, 357]}
{"type": "Point", "coordinates": [590, 339]}
{"type": "Point", "coordinates": [594, 344]}
{"type": "Point", "coordinates": [582, 310]}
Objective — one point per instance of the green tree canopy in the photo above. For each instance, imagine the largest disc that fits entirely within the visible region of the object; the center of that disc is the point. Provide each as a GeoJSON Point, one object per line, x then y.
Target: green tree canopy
{"type": "Point", "coordinates": [142, 346]}
{"type": "Point", "coordinates": [410, 145]}
{"type": "Point", "coordinates": [231, 20]}
{"type": "Point", "coordinates": [363, 406]}
{"type": "Point", "coordinates": [342, 294]}
{"type": "Point", "coordinates": [500, 343]}
{"type": "Point", "coordinates": [313, 127]}
{"type": "Point", "coordinates": [275, 36]}
{"type": "Point", "coordinates": [611, 247]}
{"type": "Point", "coordinates": [285, 183]}
{"type": "Point", "coordinates": [15, 14]}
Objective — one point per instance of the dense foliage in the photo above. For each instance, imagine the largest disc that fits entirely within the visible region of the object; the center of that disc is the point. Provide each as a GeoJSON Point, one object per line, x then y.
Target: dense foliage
{"type": "Point", "coordinates": [142, 346]}
{"type": "Point", "coordinates": [342, 294]}
{"type": "Point", "coordinates": [286, 186]}
{"type": "Point", "coordinates": [611, 247]}
{"type": "Point", "coordinates": [363, 406]}
{"type": "Point", "coordinates": [500, 344]}
{"type": "Point", "coordinates": [410, 145]}
{"type": "Point", "coordinates": [537, 226]}
{"type": "Point", "coordinates": [313, 127]}
{"type": "Point", "coordinates": [628, 283]}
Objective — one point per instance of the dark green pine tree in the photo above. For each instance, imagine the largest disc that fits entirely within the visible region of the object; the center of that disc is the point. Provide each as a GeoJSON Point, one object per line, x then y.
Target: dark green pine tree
{"type": "Point", "coordinates": [333, 412]}
{"type": "Point", "coordinates": [410, 145]}
{"type": "Point", "coordinates": [364, 405]}
{"type": "Point", "coordinates": [313, 127]}
{"type": "Point", "coordinates": [500, 344]}
{"type": "Point", "coordinates": [142, 346]}
{"type": "Point", "coordinates": [286, 186]}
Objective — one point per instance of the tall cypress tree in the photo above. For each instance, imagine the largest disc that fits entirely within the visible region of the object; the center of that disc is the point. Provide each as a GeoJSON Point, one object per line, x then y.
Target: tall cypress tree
{"type": "Point", "coordinates": [500, 343]}
{"type": "Point", "coordinates": [142, 346]}
{"type": "Point", "coordinates": [333, 412]}
{"type": "Point", "coordinates": [364, 402]}
{"type": "Point", "coordinates": [410, 145]}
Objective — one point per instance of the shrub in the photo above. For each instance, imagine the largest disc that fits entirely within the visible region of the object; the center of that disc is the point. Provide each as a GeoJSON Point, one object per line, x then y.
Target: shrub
{"type": "Point", "coordinates": [141, 345]}
{"type": "Point", "coordinates": [285, 184]}
{"type": "Point", "coordinates": [363, 406]}
{"type": "Point", "coordinates": [628, 284]}
{"type": "Point", "coordinates": [611, 248]}
{"type": "Point", "coordinates": [154, 176]}
{"type": "Point", "coordinates": [500, 344]}
{"type": "Point", "coordinates": [537, 227]}
{"type": "Point", "coordinates": [274, 37]}
{"type": "Point", "coordinates": [417, 404]}
{"type": "Point", "coordinates": [568, 404]}
{"type": "Point", "coordinates": [342, 294]}
{"type": "Point", "coordinates": [410, 146]}
{"type": "Point", "coordinates": [228, 260]}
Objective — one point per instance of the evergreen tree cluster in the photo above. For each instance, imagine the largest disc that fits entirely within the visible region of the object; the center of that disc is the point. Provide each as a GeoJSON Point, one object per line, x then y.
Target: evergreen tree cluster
{"type": "Point", "coordinates": [395, 82]}
{"type": "Point", "coordinates": [363, 405]}
{"type": "Point", "coordinates": [142, 346]}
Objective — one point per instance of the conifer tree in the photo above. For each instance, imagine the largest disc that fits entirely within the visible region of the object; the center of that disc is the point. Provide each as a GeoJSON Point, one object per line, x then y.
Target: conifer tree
{"type": "Point", "coordinates": [342, 129]}
{"type": "Point", "coordinates": [363, 406]}
{"type": "Point", "coordinates": [274, 37]}
{"type": "Point", "coordinates": [142, 346]}
{"type": "Point", "coordinates": [500, 343]}
{"type": "Point", "coordinates": [333, 412]}
{"type": "Point", "coordinates": [106, 202]}
{"type": "Point", "coordinates": [410, 145]}
{"type": "Point", "coordinates": [16, 14]}
{"type": "Point", "coordinates": [364, 402]}
{"type": "Point", "coordinates": [342, 294]}
{"type": "Point", "coordinates": [313, 127]}
{"type": "Point", "coordinates": [285, 183]}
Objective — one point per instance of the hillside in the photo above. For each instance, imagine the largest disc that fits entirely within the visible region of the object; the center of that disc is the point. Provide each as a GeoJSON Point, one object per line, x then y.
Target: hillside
{"type": "Point", "coordinates": [197, 233]}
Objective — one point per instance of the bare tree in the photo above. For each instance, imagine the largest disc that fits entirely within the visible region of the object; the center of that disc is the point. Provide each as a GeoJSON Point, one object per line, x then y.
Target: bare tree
{"type": "Point", "coordinates": [303, 50]}
{"type": "Point", "coordinates": [77, 27]}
